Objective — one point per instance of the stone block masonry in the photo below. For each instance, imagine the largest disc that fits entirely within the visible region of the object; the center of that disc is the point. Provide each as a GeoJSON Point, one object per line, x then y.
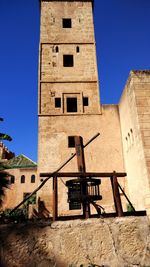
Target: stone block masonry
{"type": "Point", "coordinates": [120, 242]}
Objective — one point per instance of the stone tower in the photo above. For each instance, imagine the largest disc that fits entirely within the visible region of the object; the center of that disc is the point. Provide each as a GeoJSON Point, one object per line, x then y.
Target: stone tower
{"type": "Point", "coordinates": [68, 82]}
{"type": "Point", "coordinates": [69, 102]}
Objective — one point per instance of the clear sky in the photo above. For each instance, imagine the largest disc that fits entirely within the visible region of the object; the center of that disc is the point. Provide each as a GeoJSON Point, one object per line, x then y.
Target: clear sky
{"type": "Point", "coordinates": [122, 29]}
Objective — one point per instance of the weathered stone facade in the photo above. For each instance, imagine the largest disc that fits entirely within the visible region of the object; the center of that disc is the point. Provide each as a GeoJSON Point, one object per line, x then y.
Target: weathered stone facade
{"type": "Point", "coordinates": [120, 242]}
{"type": "Point", "coordinates": [78, 81]}
{"type": "Point", "coordinates": [67, 29]}
{"type": "Point", "coordinates": [134, 109]}
{"type": "Point", "coordinates": [69, 105]}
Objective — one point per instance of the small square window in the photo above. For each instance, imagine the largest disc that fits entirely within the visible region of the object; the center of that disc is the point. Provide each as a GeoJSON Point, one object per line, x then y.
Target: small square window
{"type": "Point", "coordinates": [68, 60]}
{"type": "Point", "coordinates": [57, 102]}
{"type": "Point", "coordinates": [78, 49]}
{"type": "Point", "coordinates": [71, 104]}
{"type": "Point", "coordinates": [56, 49]}
{"type": "Point", "coordinates": [66, 23]}
{"type": "Point", "coordinates": [85, 101]}
{"type": "Point", "coordinates": [71, 141]}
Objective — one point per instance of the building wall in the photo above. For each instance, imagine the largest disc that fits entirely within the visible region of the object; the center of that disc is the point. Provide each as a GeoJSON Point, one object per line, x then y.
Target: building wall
{"type": "Point", "coordinates": [104, 154]}
{"type": "Point", "coordinates": [50, 91]}
{"type": "Point", "coordinates": [56, 80]}
{"type": "Point", "coordinates": [51, 23]}
{"type": "Point", "coordinates": [134, 117]}
{"type": "Point", "coordinates": [15, 193]}
{"type": "Point", "coordinates": [78, 81]}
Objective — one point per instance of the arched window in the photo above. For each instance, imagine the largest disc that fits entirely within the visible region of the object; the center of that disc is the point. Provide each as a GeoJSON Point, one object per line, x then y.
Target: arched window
{"type": "Point", "coordinates": [32, 178]}
{"type": "Point", "coordinates": [22, 179]}
{"type": "Point", "coordinates": [12, 179]}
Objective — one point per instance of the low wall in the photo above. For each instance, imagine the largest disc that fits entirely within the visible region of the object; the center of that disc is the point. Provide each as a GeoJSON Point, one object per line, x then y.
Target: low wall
{"type": "Point", "coordinates": [117, 242]}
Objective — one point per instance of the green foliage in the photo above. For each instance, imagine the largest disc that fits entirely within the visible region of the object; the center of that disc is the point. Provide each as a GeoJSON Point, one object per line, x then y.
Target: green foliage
{"type": "Point", "coordinates": [4, 136]}
{"type": "Point", "coordinates": [19, 215]}
{"type": "Point", "coordinates": [4, 181]}
{"type": "Point", "coordinates": [4, 184]}
{"type": "Point", "coordinates": [129, 208]}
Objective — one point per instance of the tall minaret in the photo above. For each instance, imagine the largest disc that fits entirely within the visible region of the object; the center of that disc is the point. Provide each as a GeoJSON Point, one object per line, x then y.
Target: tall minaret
{"type": "Point", "coordinates": [68, 79]}
{"type": "Point", "coordinates": [69, 103]}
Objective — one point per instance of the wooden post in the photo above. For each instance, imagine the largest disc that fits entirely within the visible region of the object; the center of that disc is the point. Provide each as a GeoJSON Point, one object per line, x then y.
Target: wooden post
{"type": "Point", "coordinates": [80, 153]}
{"type": "Point", "coordinates": [55, 198]}
{"type": "Point", "coordinates": [116, 195]}
{"type": "Point", "coordinates": [82, 169]}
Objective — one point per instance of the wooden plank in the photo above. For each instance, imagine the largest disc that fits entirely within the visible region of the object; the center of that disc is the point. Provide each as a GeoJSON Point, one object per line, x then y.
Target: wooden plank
{"type": "Point", "coordinates": [116, 195]}
{"type": "Point", "coordinates": [80, 153]}
{"type": "Point", "coordinates": [85, 174]}
{"type": "Point", "coordinates": [82, 169]}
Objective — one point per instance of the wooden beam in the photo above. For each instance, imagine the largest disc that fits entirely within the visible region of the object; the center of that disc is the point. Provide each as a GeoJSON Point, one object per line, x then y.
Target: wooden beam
{"type": "Point", "coordinates": [116, 195]}
{"type": "Point", "coordinates": [82, 169]}
{"type": "Point", "coordinates": [84, 174]}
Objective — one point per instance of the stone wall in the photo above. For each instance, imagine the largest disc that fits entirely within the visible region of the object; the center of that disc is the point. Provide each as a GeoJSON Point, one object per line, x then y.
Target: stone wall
{"type": "Point", "coordinates": [118, 242]}
{"type": "Point", "coordinates": [135, 127]}
{"type": "Point", "coordinates": [51, 22]}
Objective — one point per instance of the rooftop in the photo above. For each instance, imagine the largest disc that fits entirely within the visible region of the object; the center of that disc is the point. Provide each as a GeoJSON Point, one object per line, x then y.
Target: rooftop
{"type": "Point", "coordinates": [19, 162]}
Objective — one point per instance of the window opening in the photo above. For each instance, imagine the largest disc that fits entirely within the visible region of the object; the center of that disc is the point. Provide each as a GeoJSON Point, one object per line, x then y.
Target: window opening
{"type": "Point", "coordinates": [68, 60]}
{"type": "Point", "coordinates": [57, 102]}
{"type": "Point", "coordinates": [71, 104]}
{"type": "Point", "coordinates": [77, 49]}
{"type": "Point", "coordinates": [85, 101]}
{"type": "Point", "coordinates": [71, 141]}
{"type": "Point", "coordinates": [32, 178]}
{"type": "Point", "coordinates": [57, 49]}
{"type": "Point", "coordinates": [12, 179]}
{"type": "Point", "coordinates": [66, 23]}
{"type": "Point", "coordinates": [22, 179]}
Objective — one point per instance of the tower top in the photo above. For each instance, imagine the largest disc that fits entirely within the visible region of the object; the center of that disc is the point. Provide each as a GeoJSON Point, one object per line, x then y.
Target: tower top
{"type": "Point", "coordinates": [66, 0]}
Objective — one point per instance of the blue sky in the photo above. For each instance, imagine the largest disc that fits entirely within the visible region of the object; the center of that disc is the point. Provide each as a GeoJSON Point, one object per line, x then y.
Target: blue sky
{"type": "Point", "coordinates": [122, 29]}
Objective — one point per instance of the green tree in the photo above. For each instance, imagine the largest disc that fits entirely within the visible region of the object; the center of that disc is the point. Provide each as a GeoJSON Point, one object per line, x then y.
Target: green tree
{"type": "Point", "coordinates": [4, 183]}
{"type": "Point", "coordinates": [4, 176]}
{"type": "Point", "coordinates": [4, 136]}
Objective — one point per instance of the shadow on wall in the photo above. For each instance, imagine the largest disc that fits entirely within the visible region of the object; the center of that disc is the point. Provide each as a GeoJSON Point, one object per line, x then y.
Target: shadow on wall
{"type": "Point", "coordinates": [20, 247]}
{"type": "Point", "coordinates": [30, 245]}
{"type": "Point", "coordinates": [42, 211]}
